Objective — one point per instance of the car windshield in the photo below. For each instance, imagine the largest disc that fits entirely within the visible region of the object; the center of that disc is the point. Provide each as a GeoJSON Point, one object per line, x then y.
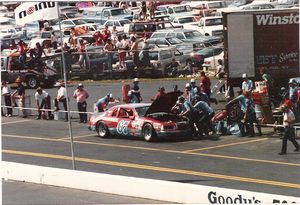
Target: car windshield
{"type": "Point", "coordinates": [142, 110]}
{"type": "Point", "coordinates": [213, 22]}
{"type": "Point", "coordinates": [123, 22]}
{"type": "Point", "coordinates": [187, 20]}
{"type": "Point", "coordinates": [153, 55]}
{"type": "Point", "coordinates": [180, 9]}
{"type": "Point", "coordinates": [216, 5]}
{"type": "Point", "coordinates": [117, 12]}
{"type": "Point", "coordinates": [79, 22]}
{"type": "Point", "coordinates": [174, 41]}
{"type": "Point", "coordinates": [192, 34]}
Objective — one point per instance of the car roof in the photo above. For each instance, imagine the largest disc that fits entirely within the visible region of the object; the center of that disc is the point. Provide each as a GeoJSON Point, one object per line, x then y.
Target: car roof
{"type": "Point", "coordinates": [212, 17]}
{"type": "Point", "coordinates": [133, 105]}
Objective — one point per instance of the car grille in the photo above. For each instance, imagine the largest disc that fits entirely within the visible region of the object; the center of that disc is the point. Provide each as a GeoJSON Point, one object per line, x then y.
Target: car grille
{"type": "Point", "coordinates": [168, 127]}
{"type": "Point", "coordinates": [182, 126]}
{"type": "Point", "coordinates": [217, 33]}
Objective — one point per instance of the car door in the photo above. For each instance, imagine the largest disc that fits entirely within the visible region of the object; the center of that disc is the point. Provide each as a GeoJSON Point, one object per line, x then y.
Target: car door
{"type": "Point", "coordinates": [125, 119]}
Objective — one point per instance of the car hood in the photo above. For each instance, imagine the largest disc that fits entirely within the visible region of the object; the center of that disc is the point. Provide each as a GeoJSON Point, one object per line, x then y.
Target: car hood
{"type": "Point", "coordinates": [164, 103]}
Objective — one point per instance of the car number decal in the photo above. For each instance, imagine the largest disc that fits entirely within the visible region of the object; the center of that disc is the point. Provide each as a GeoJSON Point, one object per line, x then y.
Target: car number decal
{"type": "Point", "coordinates": [122, 127]}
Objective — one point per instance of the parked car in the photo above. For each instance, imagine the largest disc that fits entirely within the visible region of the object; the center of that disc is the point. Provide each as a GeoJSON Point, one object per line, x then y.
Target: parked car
{"type": "Point", "coordinates": [184, 21]}
{"type": "Point", "coordinates": [199, 56]}
{"type": "Point", "coordinates": [257, 6]}
{"type": "Point", "coordinates": [176, 10]}
{"type": "Point", "coordinates": [210, 63]}
{"type": "Point", "coordinates": [70, 23]}
{"type": "Point", "coordinates": [119, 23]}
{"type": "Point", "coordinates": [209, 26]}
{"type": "Point", "coordinates": [211, 5]}
{"type": "Point", "coordinates": [100, 15]}
{"type": "Point", "coordinates": [146, 120]}
{"type": "Point", "coordinates": [198, 40]}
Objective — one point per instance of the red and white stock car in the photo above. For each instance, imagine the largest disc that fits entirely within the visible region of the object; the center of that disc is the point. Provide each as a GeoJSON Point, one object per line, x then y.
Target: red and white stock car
{"type": "Point", "coordinates": [141, 119]}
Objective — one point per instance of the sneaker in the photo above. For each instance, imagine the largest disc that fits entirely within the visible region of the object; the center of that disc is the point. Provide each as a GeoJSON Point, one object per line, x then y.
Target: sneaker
{"type": "Point", "coordinates": [9, 115]}
{"type": "Point", "coordinates": [37, 118]}
{"type": "Point", "coordinates": [281, 153]}
{"type": "Point", "coordinates": [6, 115]}
{"type": "Point", "coordinates": [297, 149]}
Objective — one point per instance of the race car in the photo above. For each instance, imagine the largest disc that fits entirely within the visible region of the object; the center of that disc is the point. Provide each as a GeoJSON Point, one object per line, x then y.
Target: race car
{"type": "Point", "coordinates": [146, 120]}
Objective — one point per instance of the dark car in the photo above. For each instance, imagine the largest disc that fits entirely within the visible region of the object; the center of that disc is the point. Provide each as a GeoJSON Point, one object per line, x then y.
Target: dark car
{"type": "Point", "coordinates": [199, 56]}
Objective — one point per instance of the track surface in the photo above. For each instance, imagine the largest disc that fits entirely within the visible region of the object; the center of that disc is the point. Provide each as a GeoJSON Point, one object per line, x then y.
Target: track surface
{"type": "Point", "coordinates": [227, 161]}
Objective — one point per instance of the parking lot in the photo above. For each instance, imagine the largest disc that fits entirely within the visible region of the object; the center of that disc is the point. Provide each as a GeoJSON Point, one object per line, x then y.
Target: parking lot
{"type": "Point", "coordinates": [227, 161]}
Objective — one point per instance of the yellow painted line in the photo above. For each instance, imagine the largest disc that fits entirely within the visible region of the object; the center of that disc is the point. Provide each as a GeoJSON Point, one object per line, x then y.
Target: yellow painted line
{"type": "Point", "coordinates": [225, 145]}
{"type": "Point", "coordinates": [157, 150]}
{"type": "Point", "coordinates": [154, 168]}
{"type": "Point", "coordinates": [77, 137]}
{"type": "Point", "coordinates": [13, 122]}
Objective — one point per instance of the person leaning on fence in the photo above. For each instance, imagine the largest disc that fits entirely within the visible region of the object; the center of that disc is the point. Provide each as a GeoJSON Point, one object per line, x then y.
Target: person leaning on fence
{"type": "Point", "coordinates": [61, 97]}
{"type": "Point", "coordinates": [19, 94]}
{"type": "Point", "coordinates": [6, 92]}
{"type": "Point", "coordinates": [43, 100]}
{"type": "Point", "coordinates": [80, 94]}
{"type": "Point", "coordinates": [289, 134]}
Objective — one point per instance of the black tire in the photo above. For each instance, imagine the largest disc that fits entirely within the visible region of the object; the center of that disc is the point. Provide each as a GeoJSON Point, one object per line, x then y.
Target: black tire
{"type": "Point", "coordinates": [149, 133]}
{"type": "Point", "coordinates": [32, 82]}
{"type": "Point", "coordinates": [102, 130]}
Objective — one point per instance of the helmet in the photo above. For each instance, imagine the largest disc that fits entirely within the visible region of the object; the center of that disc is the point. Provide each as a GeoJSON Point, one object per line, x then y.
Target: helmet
{"type": "Point", "coordinates": [110, 95]}
{"type": "Point", "coordinates": [181, 98]}
{"type": "Point", "coordinates": [187, 85]}
{"type": "Point", "coordinates": [135, 80]}
{"type": "Point", "coordinates": [244, 75]}
{"type": "Point", "coordinates": [292, 81]}
{"type": "Point", "coordinates": [193, 80]}
{"type": "Point", "coordinates": [80, 85]}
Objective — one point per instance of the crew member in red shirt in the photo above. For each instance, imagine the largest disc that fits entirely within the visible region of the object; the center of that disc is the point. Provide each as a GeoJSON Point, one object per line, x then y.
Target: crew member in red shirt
{"type": "Point", "coordinates": [161, 92]}
{"type": "Point", "coordinates": [205, 83]}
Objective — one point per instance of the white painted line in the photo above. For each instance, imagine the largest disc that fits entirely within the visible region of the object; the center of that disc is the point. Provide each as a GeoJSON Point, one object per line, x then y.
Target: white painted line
{"type": "Point", "coordinates": [13, 122]}
{"type": "Point", "coordinates": [137, 187]}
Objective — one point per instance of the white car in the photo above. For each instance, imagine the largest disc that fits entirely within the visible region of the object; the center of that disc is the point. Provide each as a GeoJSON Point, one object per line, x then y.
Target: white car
{"type": "Point", "coordinates": [211, 63]}
{"type": "Point", "coordinates": [209, 26]}
{"type": "Point", "coordinates": [185, 21]}
{"type": "Point", "coordinates": [119, 23]}
{"type": "Point", "coordinates": [70, 23]}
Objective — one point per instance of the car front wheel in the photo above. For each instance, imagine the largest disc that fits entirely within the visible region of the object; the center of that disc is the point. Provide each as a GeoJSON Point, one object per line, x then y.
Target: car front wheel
{"type": "Point", "coordinates": [32, 82]}
{"type": "Point", "coordinates": [102, 130]}
{"type": "Point", "coordinates": [149, 133]}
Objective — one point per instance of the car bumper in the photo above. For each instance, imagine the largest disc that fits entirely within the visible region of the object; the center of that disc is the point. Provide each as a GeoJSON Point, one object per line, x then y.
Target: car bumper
{"type": "Point", "coordinates": [173, 133]}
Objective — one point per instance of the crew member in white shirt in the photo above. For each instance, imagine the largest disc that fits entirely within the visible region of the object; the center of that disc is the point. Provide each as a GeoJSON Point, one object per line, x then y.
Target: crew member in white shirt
{"type": "Point", "coordinates": [289, 134]}
{"type": "Point", "coordinates": [247, 84]}
{"type": "Point", "coordinates": [43, 101]}
{"type": "Point", "coordinates": [61, 97]}
{"type": "Point", "coordinates": [6, 92]}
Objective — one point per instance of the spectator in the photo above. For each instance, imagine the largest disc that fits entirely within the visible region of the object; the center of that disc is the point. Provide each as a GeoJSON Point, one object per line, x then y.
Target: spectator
{"type": "Point", "coordinates": [161, 92]}
{"type": "Point", "coordinates": [82, 55]}
{"type": "Point", "coordinates": [121, 52]}
{"type": "Point", "coordinates": [172, 68]}
{"type": "Point", "coordinates": [114, 34]}
{"type": "Point", "coordinates": [145, 51]}
{"type": "Point", "coordinates": [108, 48]}
{"type": "Point", "coordinates": [61, 97]}
{"type": "Point", "coordinates": [106, 34]}
{"type": "Point", "coordinates": [221, 74]}
{"type": "Point", "coordinates": [134, 50]}
{"type": "Point", "coordinates": [80, 94]}
{"type": "Point", "coordinates": [98, 38]}
{"type": "Point", "coordinates": [247, 84]}
{"type": "Point", "coordinates": [54, 40]}
{"type": "Point", "coordinates": [22, 53]}
{"type": "Point", "coordinates": [6, 92]}
{"type": "Point", "coordinates": [43, 100]}
{"type": "Point", "coordinates": [205, 84]}
{"type": "Point", "coordinates": [102, 103]}
{"type": "Point", "coordinates": [136, 89]}
{"type": "Point", "coordinates": [19, 94]}
{"type": "Point", "coordinates": [144, 10]}
{"type": "Point", "coordinates": [288, 121]}
{"type": "Point", "coordinates": [152, 8]}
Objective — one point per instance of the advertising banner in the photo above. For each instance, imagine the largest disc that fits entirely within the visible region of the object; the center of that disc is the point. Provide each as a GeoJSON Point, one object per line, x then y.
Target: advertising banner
{"type": "Point", "coordinates": [35, 11]}
{"type": "Point", "coordinates": [276, 42]}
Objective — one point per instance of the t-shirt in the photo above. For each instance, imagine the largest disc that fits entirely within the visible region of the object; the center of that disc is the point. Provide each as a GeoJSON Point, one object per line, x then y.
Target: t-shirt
{"type": "Point", "coordinates": [41, 97]}
{"type": "Point", "coordinates": [6, 90]}
{"type": "Point", "coordinates": [288, 116]}
{"type": "Point", "coordinates": [62, 92]}
{"type": "Point", "coordinates": [21, 90]}
{"type": "Point", "coordinates": [242, 101]}
{"type": "Point", "coordinates": [204, 107]}
{"type": "Point", "coordinates": [247, 85]}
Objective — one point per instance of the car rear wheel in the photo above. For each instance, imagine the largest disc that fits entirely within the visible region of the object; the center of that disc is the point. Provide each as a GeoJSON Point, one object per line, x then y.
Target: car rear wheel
{"type": "Point", "coordinates": [102, 130]}
{"type": "Point", "coordinates": [149, 133]}
{"type": "Point", "coordinates": [32, 82]}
